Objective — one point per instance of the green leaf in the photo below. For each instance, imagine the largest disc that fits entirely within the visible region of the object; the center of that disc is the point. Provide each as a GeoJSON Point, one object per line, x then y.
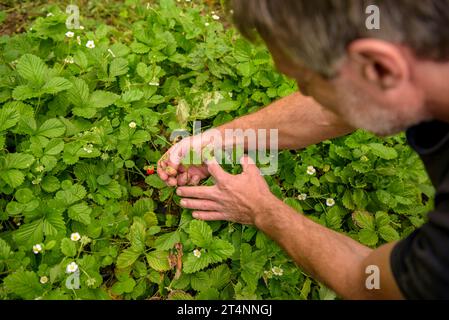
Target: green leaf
{"type": "Point", "coordinates": [125, 286]}
{"type": "Point", "coordinates": [167, 241]}
{"type": "Point", "coordinates": [54, 147]}
{"type": "Point", "coordinates": [193, 264]}
{"type": "Point", "coordinates": [155, 182]}
{"type": "Point", "coordinates": [50, 184]}
{"type": "Point", "coordinates": [24, 284]}
{"type": "Point", "coordinates": [24, 195]}
{"type": "Point", "coordinates": [79, 94]}
{"type": "Point", "coordinates": [32, 68]}
{"type": "Point", "coordinates": [127, 258]}
{"type": "Point", "coordinates": [80, 212]}
{"type": "Point", "coordinates": [388, 234]}
{"type": "Point", "coordinates": [9, 117]}
{"type": "Point", "coordinates": [55, 85]}
{"type": "Point", "coordinates": [112, 190]}
{"type": "Point", "coordinates": [68, 247]}
{"type": "Point", "coordinates": [118, 67]}
{"type": "Point", "coordinates": [158, 260]}
{"type": "Point", "coordinates": [102, 99]}
{"type": "Point", "coordinates": [24, 92]}
{"type": "Point", "coordinates": [368, 237]}
{"type": "Point", "coordinates": [200, 233]}
{"type": "Point", "coordinates": [51, 128]}
{"type": "Point", "coordinates": [18, 161]}
{"type": "Point", "coordinates": [13, 177]}
{"type": "Point", "coordinates": [220, 250]}
{"type": "Point", "coordinates": [363, 219]}
{"type": "Point", "coordinates": [383, 152]}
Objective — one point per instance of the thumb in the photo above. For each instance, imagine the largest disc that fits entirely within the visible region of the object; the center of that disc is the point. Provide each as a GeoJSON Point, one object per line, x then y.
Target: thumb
{"type": "Point", "coordinates": [216, 170]}
{"type": "Point", "coordinates": [248, 165]}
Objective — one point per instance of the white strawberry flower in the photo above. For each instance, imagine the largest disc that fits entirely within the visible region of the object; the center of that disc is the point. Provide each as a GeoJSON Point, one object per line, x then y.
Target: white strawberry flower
{"type": "Point", "coordinates": [330, 202]}
{"type": "Point", "coordinates": [154, 83]}
{"type": "Point", "coordinates": [43, 279]}
{"type": "Point", "coordinates": [50, 14]}
{"type": "Point", "coordinates": [197, 253]}
{"type": "Point", "coordinates": [75, 236]}
{"type": "Point", "coordinates": [207, 24]}
{"type": "Point", "coordinates": [90, 44]}
{"type": "Point", "coordinates": [36, 181]}
{"type": "Point", "coordinates": [40, 168]}
{"type": "Point", "coordinates": [71, 267]}
{"type": "Point", "coordinates": [311, 170]}
{"type": "Point", "coordinates": [37, 248]}
{"type": "Point", "coordinates": [277, 271]}
{"type": "Point", "coordinates": [69, 34]}
{"type": "Point", "coordinates": [132, 125]}
{"type": "Point", "coordinates": [104, 156]}
{"type": "Point", "coordinates": [81, 27]}
{"type": "Point", "coordinates": [302, 197]}
{"type": "Point", "coordinates": [215, 17]}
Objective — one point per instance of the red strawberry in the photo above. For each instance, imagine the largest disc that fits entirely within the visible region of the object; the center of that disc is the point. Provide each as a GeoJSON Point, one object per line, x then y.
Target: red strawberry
{"type": "Point", "coordinates": [150, 170]}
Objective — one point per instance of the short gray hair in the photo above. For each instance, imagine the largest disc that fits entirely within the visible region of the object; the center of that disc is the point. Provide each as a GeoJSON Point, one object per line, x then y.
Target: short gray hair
{"type": "Point", "coordinates": [317, 32]}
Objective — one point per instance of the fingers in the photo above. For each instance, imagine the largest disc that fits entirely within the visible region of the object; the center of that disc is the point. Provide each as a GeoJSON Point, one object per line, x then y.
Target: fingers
{"type": "Point", "coordinates": [197, 192]}
{"type": "Point", "coordinates": [161, 172]}
{"type": "Point", "coordinates": [194, 181]}
{"type": "Point", "coordinates": [216, 170]}
{"type": "Point", "coordinates": [183, 179]}
{"type": "Point", "coordinates": [209, 216]}
{"type": "Point", "coordinates": [248, 165]}
{"type": "Point", "coordinates": [202, 205]}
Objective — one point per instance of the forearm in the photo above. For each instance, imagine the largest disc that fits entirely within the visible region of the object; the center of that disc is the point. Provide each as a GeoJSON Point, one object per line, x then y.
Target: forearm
{"type": "Point", "coordinates": [330, 257]}
{"type": "Point", "coordinates": [300, 122]}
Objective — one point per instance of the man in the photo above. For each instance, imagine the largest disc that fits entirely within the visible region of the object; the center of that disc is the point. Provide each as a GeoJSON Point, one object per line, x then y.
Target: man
{"type": "Point", "coordinates": [385, 81]}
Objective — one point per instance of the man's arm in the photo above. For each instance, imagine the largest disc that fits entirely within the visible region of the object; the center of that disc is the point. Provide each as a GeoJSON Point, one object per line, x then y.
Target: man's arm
{"type": "Point", "coordinates": [330, 257]}
{"type": "Point", "coordinates": [300, 122]}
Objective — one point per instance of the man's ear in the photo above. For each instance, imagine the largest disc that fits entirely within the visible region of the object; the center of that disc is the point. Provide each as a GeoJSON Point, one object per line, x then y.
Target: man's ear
{"type": "Point", "coordinates": [379, 62]}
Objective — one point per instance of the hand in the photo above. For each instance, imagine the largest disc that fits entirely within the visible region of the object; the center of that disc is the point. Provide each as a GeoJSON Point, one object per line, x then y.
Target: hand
{"type": "Point", "coordinates": [244, 198]}
{"type": "Point", "coordinates": [173, 172]}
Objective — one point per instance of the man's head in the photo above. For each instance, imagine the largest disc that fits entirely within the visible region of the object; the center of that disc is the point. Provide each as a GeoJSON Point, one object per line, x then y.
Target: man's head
{"type": "Point", "coordinates": [369, 77]}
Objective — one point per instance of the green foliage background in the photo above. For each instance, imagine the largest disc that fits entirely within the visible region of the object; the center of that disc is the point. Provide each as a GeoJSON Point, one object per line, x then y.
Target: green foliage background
{"type": "Point", "coordinates": [70, 162]}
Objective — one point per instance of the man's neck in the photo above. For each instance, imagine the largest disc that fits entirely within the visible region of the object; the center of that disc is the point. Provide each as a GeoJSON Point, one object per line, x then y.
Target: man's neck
{"type": "Point", "coordinates": [434, 79]}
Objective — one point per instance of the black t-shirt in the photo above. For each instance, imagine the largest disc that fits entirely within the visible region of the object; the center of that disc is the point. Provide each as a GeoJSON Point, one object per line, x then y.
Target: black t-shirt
{"type": "Point", "coordinates": [420, 263]}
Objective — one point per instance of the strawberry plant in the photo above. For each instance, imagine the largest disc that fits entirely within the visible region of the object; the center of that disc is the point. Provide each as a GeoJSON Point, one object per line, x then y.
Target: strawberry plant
{"type": "Point", "coordinates": [83, 115]}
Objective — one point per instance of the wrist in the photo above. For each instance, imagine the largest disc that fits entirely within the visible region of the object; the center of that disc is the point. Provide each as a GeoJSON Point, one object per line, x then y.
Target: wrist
{"type": "Point", "coordinates": [268, 207]}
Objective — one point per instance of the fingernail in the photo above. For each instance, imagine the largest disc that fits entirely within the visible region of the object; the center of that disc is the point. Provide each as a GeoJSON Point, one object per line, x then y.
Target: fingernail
{"type": "Point", "coordinates": [179, 192]}
{"type": "Point", "coordinates": [195, 215]}
{"type": "Point", "coordinates": [183, 202]}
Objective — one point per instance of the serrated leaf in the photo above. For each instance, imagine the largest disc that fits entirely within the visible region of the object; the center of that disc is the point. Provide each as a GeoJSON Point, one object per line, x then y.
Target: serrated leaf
{"type": "Point", "coordinates": [167, 241]}
{"type": "Point", "coordinates": [200, 233]}
{"type": "Point", "coordinates": [68, 247]}
{"type": "Point", "coordinates": [388, 233]}
{"type": "Point", "coordinates": [24, 92]}
{"type": "Point", "coordinates": [112, 190]}
{"type": "Point", "coordinates": [50, 184]}
{"type": "Point", "coordinates": [194, 264]}
{"type": "Point", "coordinates": [52, 128]}
{"type": "Point", "coordinates": [9, 117]}
{"type": "Point", "coordinates": [13, 177]}
{"type": "Point", "coordinates": [102, 99]}
{"type": "Point", "coordinates": [54, 147]}
{"type": "Point", "coordinates": [80, 212]}
{"type": "Point", "coordinates": [368, 237]}
{"type": "Point", "coordinates": [383, 152]}
{"type": "Point", "coordinates": [127, 258]}
{"type": "Point", "coordinates": [118, 67]}
{"type": "Point", "coordinates": [79, 94]}
{"type": "Point", "coordinates": [25, 284]}
{"type": "Point", "coordinates": [18, 161]}
{"type": "Point", "coordinates": [32, 68]}
{"type": "Point", "coordinates": [55, 85]}
{"type": "Point", "coordinates": [158, 260]}
{"type": "Point", "coordinates": [363, 219]}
